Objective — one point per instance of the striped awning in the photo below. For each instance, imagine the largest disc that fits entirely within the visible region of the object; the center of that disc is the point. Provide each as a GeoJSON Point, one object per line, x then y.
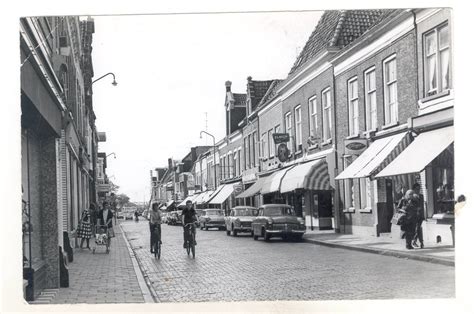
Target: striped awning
{"type": "Point", "coordinates": [379, 154]}
{"type": "Point", "coordinates": [312, 175]}
{"type": "Point", "coordinates": [203, 197]}
{"type": "Point", "coordinates": [189, 198]}
{"type": "Point", "coordinates": [274, 181]}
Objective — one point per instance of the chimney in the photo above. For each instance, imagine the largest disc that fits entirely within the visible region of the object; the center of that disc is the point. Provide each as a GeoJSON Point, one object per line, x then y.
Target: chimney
{"type": "Point", "coordinates": [170, 164]}
{"type": "Point", "coordinates": [228, 84]}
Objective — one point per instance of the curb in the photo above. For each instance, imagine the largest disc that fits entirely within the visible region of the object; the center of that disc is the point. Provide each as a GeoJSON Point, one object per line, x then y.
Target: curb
{"type": "Point", "coordinates": [148, 292]}
{"type": "Point", "coordinates": [393, 253]}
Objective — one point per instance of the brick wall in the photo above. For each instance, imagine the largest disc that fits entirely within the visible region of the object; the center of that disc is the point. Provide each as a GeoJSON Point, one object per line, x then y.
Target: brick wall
{"type": "Point", "coordinates": [269, 120]}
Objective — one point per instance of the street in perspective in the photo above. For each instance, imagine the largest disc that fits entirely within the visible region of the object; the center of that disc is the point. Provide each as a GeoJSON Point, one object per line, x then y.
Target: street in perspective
{"type": "Point", "coordinates": [317, 164]}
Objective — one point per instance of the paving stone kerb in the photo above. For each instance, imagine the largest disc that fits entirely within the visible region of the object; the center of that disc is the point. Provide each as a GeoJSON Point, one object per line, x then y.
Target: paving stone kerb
{"type": "Point", "coordinates": [394, 253]}
{"type": "Point", "coordinates": [230, 268]}
{"type": "Point", "coordinates": [101, 277]}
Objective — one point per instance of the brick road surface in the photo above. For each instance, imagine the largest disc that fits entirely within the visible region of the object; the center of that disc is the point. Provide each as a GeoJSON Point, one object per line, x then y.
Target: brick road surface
{"type": "Point", "coordinates": [101, 277]}
{"type": "Point", "coordinates": [241, 269]}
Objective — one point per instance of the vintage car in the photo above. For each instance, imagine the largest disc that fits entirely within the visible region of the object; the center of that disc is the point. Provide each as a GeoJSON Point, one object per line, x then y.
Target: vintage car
{"type": "Point", "coordinates": [278, 220]}
{"type": "Point", "coordinates": [240, 219]}
{"type": "Point", "coordinates": [199, 213]}
{"type": "Point", "coordinates": [212, 218]}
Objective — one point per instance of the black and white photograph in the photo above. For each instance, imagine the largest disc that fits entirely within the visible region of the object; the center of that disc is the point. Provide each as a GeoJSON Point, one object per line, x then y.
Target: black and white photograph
{"type": "Point", "coordinates": [236, 157]}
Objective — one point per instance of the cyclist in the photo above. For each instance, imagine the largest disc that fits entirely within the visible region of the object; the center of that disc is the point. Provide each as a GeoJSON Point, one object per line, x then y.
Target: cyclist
{"type": "Point", "coordinates": [189, 216]}
{"type": "Point", "coordinates": [155, 222]}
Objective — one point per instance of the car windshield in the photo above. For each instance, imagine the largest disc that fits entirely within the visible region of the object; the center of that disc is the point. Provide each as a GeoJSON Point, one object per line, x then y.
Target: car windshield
{"type": "Point", "coordinates": [214, 212]}
{"type": "Point", "coordinates": [245, 212]}
{"type": "Point", "coordinates": [278, 211]}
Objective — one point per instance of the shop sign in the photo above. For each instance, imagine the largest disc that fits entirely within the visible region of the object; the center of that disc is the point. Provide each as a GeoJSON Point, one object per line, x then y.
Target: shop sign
{"type": "Point", "coordinates": [105, 187]}
{"type": "Point", "coordinates": [281, 138]}
{"type": "Point", "coordinates": [283, 152]}
{"type": "Point", "coordinates": [355, 146]}
{"type": "Point", "coordinates": [238, 188]}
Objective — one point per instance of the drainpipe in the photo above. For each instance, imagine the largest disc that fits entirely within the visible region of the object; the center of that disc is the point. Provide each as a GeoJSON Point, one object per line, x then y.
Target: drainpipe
{"type": "Point", "coordinates": [29, 196]}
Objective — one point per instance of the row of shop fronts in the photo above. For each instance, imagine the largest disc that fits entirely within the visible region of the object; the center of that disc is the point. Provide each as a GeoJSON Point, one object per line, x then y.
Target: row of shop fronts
{"type": "Point", "coordinates": [367, 114]}
{"type": "Point", "coordinates": [61, 172]}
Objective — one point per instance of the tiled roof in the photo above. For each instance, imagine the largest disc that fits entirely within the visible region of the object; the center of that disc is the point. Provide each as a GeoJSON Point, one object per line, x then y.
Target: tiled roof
{"type": "Point", "coordinates": [239, 99]}
{"type": "Point", "coordinates": [270, 94]}
{"type": "Point", "coordinates": [256, 90]}
{"type": "Point", "coordinates": [338, 28]}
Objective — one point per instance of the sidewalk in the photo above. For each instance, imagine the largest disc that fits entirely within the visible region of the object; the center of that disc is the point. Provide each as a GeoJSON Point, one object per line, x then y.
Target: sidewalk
{"type": "Point", "coordinates": [432, 252]}
{"type": "Point", "coordinates": [101, 277]}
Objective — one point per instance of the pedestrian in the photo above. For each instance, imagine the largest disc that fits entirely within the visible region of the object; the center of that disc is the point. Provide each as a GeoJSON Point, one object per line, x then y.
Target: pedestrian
{"type": "Point", "coordinates": [408, 225]}
{"type": "Point", "coordinates": [420, 216]}
{"type": "Point", "coordinates": [155, 222]}
{"type": "Point", "coordinates": [104, 219]}
{"type": "Point", "coordinates": [84, 230]}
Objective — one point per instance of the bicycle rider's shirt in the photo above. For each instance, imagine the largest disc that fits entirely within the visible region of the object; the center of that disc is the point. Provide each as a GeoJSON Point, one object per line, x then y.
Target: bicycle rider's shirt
{"type": "Point", "coordinates": [188, 215]}
{"type": "Point", "coordinates": [155, 217]}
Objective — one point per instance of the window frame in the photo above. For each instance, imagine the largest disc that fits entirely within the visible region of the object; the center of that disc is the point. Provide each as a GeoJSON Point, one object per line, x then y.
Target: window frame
{"type": "Point", "coordinates": [326, 107]}
{"type": "Point", "coordinates": [271, 144]}
{"type": "Point", "coordinates": [313, 115]}
{"type": "Point", "coordinates": [353, 110]}
{"type": "Point", "coordinates": [437, 55]}
{"type": "Point", "coordinates": [263, 145]}
{"type": "Point", "coordinates": [369, 121]}
{"type": "Point", "coordinates": [298, 128]}
{"type": "Point", "coordinates": [387, 111]}
{"type": "Point", "coordinates": [289, 130]}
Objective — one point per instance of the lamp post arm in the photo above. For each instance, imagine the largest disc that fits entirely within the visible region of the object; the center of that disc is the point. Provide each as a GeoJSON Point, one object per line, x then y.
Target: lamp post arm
{"type": "Point", "coordinates": [110, 73]}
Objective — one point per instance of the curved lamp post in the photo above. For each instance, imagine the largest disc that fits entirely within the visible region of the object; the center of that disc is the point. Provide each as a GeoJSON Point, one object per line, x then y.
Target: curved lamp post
{"type": "Point", "coordinates": [214, 142]}
{"type": "Point", "coordinates": [114, 83]}
{"type": "Point", "coordinates": [115, 156]}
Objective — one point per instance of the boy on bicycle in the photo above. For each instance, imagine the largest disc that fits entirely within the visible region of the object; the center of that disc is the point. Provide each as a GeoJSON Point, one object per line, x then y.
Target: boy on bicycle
{"type": "Point", "coordinates": [189, 216]}
{"type": "Point", "coordinates": [155, 222]}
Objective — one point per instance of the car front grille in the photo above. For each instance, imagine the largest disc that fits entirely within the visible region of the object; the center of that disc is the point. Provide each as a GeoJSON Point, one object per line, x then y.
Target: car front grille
{"type": "Point", "coordinates": [286, 227]}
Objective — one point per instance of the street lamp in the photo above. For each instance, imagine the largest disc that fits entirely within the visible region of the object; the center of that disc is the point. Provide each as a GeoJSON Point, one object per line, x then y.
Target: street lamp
{"type": "Point", "coordinates": [214, 142]}
{"type": "Point", "coordinates": [114, 83]}
{"type": "Point", "coordinates": [115, 156]}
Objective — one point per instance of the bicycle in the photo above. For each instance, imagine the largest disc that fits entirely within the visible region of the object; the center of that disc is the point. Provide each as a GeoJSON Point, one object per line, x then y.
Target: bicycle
{"type": "Point", "coordinates": [190, 246]}
{"type": "Point", "coordinates": [156, 242]}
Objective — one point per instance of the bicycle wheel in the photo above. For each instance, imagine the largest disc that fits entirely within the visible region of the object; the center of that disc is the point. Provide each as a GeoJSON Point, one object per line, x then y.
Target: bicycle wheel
{"type": "Point", "coordinates": [188, 247]}
{"type": "Point", "coordinates": [157, 249]}
{"type": "Point", "coordinates": [193, 250]}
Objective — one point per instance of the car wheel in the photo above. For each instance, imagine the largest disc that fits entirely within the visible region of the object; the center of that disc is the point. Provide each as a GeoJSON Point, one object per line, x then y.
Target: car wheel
{"type": "Point", "coordinates": [285, 238]}
{"type": "Point", "coordinates": [299, 237]}
{"type": "Point", "coordinates": [266, 235]}
{"type": "Point", "coordinates": [227, 232]}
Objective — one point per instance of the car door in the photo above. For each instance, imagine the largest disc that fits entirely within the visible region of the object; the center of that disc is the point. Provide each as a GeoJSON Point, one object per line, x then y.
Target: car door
{"type": "Point", "coordinates": [257, 224]}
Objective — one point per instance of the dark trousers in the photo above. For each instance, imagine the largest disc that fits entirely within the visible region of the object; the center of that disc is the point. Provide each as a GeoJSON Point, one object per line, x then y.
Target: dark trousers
{"type": "Point", "coordinates": [418, 233]}
{"type": "Point", "coordinates": [185, 237]}
{"type": "Point", "coordinates": [152, 235]}
{"type": "Point", "coordinates": [409, 233]}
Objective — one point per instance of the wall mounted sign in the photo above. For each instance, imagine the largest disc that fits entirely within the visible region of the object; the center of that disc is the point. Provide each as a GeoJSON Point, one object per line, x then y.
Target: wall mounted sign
{"type": "Point", "coordinates": [281, 138]}
{"type": "Point", "coordinates": [283, 152]}
{"type": "Point", "coordinates": [355, 146]}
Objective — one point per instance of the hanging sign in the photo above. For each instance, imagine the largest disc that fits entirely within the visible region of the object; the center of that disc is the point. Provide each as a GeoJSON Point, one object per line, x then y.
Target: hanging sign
{"type": "Point", "coordinates": [355, 146]}
{"type": "Point", "coordinates": [279, 138]}
{"type": "Point", "coordinates": [283, 152]}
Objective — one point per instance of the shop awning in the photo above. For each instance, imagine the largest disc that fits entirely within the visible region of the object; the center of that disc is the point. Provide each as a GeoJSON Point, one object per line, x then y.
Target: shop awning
{"type": "Point", "coordinates": [426, 147]}
{"type": "Point", "coordinates": [274, 181]}
{"type": "Point", "coordinates": [376, 157]}
{"type": "Point", "coordinates": [189, 198]}
{"type": "Point", "coordinates": [169, 203]}
{"type": "Point", "coordinates": [254, 189]}
{"type": "Point", "coordinates": [311, 175]}
{"type": "Point", "coordinates": [222, 195]}
{"type": "Point", "coordinates": [203, 197]}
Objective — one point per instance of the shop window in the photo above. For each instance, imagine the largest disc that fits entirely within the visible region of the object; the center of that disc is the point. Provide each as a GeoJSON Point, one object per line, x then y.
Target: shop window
{"type": "Point", "coordinates": [370, 100]}
{"type": "Point", "coordinates": [349, 196]}
{"type": "Point", "coordinates": [390, 91]}
{"type": "Point", "coordinates": [365, 193]}
{"type": "Point", "coordinates": [437, 60]}
{"type": "Point", "coordinates": [353, 104]}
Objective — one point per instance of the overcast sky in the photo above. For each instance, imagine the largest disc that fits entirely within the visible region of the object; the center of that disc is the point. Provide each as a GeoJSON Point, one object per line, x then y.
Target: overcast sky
{"type": "Point", "coordinates": [171, 70]}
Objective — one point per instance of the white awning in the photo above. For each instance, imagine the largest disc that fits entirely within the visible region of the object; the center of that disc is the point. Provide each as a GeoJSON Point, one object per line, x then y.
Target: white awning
{"type": "Point", "coordinates": [222, 195]}
{"type": "Point", "coordinates": [274, 180]}
{"type": "Point", "coordinates": [254, 188]}
{"type": "Point", "coordinates": [426, 147]}
{"type": "Point", "coordinates": [169, 203]}
{"type": "Point", "coordinates": [376, 157]}
{"type": "Point", "coordinates": [189, 198]}
{"type": "Point", "coordinates": [203, 197]}
{"type": "Point", "coordinates": [311, 175]}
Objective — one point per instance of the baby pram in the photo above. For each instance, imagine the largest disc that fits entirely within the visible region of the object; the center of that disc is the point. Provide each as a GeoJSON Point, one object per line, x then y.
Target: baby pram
{"type": "Point", "coordinates": [101, 238]}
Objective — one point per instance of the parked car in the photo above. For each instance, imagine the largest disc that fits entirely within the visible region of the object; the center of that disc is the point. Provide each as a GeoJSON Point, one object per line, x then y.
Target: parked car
{"type": "Point", "coordinates": [174, 218]}
{"type": "Point", "coordinates": [212, 218]}
{"type": "Point", "coordinates": [240, 219]}
{"type": "Point", "coordinates": [119, 214]}
{"type": "Point", "coordinates": [278, 220]}
{"type": "Point", "coordinates": [199, 213]}
{"type": "Point", "coordinates": [129, 215]}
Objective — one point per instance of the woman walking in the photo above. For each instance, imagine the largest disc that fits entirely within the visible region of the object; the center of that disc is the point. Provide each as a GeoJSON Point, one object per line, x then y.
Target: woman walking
{"type": "Point", "coordinates": [85, 231]}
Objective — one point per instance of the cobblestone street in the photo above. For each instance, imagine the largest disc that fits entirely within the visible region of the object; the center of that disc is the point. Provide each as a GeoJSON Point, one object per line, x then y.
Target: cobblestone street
{"type": "Point", "coordinates": [241, 269]}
